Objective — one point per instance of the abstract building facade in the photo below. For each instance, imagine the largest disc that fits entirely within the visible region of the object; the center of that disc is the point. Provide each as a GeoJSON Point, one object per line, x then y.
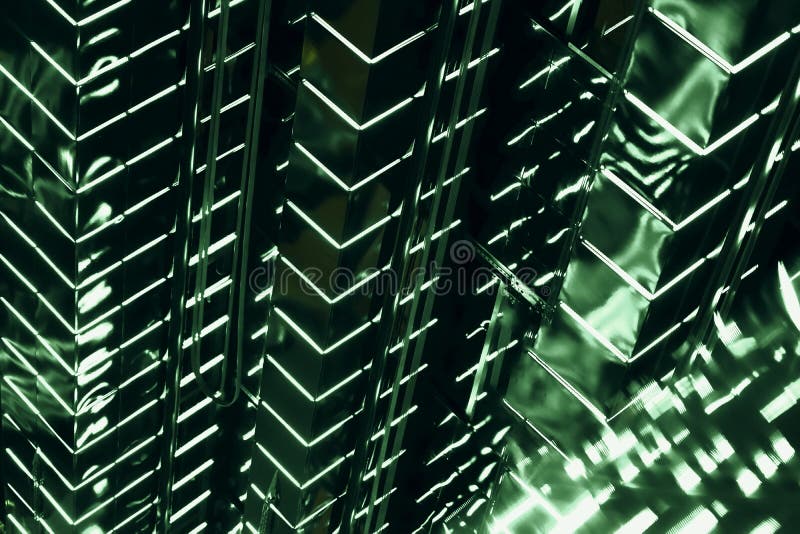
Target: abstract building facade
{"type": "Point", "coordinates": [423, 266]}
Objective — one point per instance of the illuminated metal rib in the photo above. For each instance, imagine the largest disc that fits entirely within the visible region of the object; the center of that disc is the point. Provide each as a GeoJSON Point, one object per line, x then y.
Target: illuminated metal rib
{"type": "Point", "coordinates": [339, 181]}
{"type": "Point", "coordinates": [353, 48]}
{"type": "Point", "coordinates": [712, 55]}
{"type": "Point", "coordinates": [91, 18]}
{"type": "Point", "coordinates": [327, 236]}
{"type": "Point", "coordinates": [350, 121]}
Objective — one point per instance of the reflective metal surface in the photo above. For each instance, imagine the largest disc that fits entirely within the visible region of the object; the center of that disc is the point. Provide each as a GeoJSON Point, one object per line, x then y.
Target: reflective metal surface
{"type": "Point", "coordinates": [360, 266]}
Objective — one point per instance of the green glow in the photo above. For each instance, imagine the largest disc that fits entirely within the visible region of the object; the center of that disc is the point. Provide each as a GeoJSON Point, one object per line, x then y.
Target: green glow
{"type": "Point", "coordinates": [375, 503]}
{"type": "Point", "coordinates": [338, 181]}
{"type": "Point", "coordinates": [196, 440]}
{"type": "Point", "coordinates": [712, 55]}
{"type": "Point", "coordinates": [618, 25]}
{"type": "Point", "coordinates": [469, 7]}
{"type": "Point", "coordinates": [308, 338]}
{"type": "Point", "coordinates": [384, 465]}
{"type": "Point", "coordinates": [114, 429]}
{"type": "Point", "coordinates": [516, 139]}
{"type": "Point", "coordinates": [291, 379]}
{"type": "Point", "coordinates": [119, 168]}
{"type": "Point", "coordinates": [17, 523]}
{"type": "Point", "coordinates": [38, 250]}
{"type": "Point", "coordinates": [39, 338]}
{"type": "Point", "coordinates": [215, 247]}
{"type": "Point", "coordinates": [425, 285]}
{"type": "Point", "coordinates": [102, 126]}
{"type": "Point", "coordinates": [789, 295]}
{"type": "Point", "coordinates": [547, 70]}
{"type": "Point", "coordinates": [414, 335]}
{"type": "Point", "coordinates": [130, 341]}
{"type": "Point", "coordinates": [350, 290]}
{"type": "Point", "coordinates": [445, 183]}
{"type": "Point", "coordinates": [593, 331]}
{"type": "Point", "coordinates": [305, 392]}
{"type": "Point", "coordinates": [16, 134]}
{"type": "Point", "coordinates": [786, 400]}
{"type": "Point", "coordinates": [244, 98]}
{"type": "Point", "coordinates": [460, 124]}
{"type": "Point", "coordinates": [53, 220]}
{"type": "Point", "coordinates": [472, 64]}
{"type": "Point", "coordinates": [574, 392]}
{"type": "Point", "coordinates": [213, 289]}
{"type": "Point", "coordinates": [277, 464]}
{"type": "Point", "coordinates": [344, 116]}
{"type": "Point", "coordinates": [300, 439]}
{"type": "Point", "coordinates": [214, 325]}
{"type": "Point", "coordinates": [489, 357]}
{"type": "Point", "coordinates": [658, 119]}
{"type": "Point", "coordinates": [186, 414]}
{"type": "Point", "coordinates": [327, 237]}
{"type": "Point", "coordinates": [200, 169]}
{"type": "Point", "coordinates": [436, 235]}
{"type": "Point", "coordinates": [702, 522]}
{"type": "Point", "coordinates": [91, 18]}
{"type": "Point", "coordinates": [35, 411]}
{"type": "Point", "coordinates": [38, 104]}
{"type": "Point", "coordinates": [505, 191]}
{"type": "Point", "coordinates": [353, 48]}
{"type": "Point", "coordinates": [188, 379]}
{"type": "Point", "coordinates": [582, 132]}
{"type": "Point", "coordinates": [563, 9]}
{"type": "Point", "coordinates": [39, 520]}
{"type": "Point", "coordinates": [216, 11]}
{"type": "Point", "coordinates": [188, 508]}
{"type": "Point", "coordinates": [41, 297]}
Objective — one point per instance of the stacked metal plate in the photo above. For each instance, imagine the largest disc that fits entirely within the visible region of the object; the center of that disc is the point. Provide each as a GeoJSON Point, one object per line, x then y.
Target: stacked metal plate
{"type": "Point", "coordinates": [90, 127]}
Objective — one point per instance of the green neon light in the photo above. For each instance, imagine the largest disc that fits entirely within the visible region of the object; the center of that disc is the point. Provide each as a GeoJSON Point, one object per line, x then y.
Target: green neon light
{"type": "Point", "coordinates": [594, 332]}
{"type": "Point", "coordinates": [196, 440]}
{"type": "Point", "coordinates": [188, 508]}
{"type": "Point", "coordinates": [39, 519]}
{"type": "Point", "coordinates": [445, 183]}
{"type": "Point", "coordinates": [491, 356]}
{"type": "Point", "coordinates": [617, 25]}
{"type": "Point", "coordinates": [37, 249]}
{"type": "Point", "coordinates": [789, 295]}
{"type": "Point", "coordinates": [112, 430]}
{"type": "Point", "coordinates": [321, 293]}
{"type": "Point", "coordinates": [220, 157]}
{"type": "Point", "coordinates": [215, 325]}
{"type": "Point", "coordinates": [39, 338]}
{"type": "Point", "coordinates": [327, 236]}
{"type": "Point", "coordinates": [353, 48]}
{"type": "Point", "coordinates": [460, 124]}
{"type": "Point", "coordinates": [300, 439]}
{"type": "Point", "coordinates": [472, 64]}
{"type": "Point", "coordinates": [246, 48]}
{"type": "Point", "coordinates": [338, 181]}
{"type": "Point", "coordinates": [350, 121]}
{"type": "Point", "coordinates": [91, 18]}
{"type": "Point", "coordinates": [711, 55]}
{"type": "Point", "coordinates": [16, 134]}
{"type": "Point", "coordinates": [563, 9]}
{"type": "Point", "coordinates": [215, 247]}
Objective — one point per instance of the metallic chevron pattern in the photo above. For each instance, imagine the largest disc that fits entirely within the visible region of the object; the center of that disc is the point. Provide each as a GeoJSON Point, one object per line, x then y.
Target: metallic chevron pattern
{"type": "Point", "coordinates": [426, 266]}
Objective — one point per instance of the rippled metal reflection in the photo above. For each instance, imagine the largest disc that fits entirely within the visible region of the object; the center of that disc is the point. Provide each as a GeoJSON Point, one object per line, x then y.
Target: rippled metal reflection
{"type": "Point", "coordinates": [626, 404]}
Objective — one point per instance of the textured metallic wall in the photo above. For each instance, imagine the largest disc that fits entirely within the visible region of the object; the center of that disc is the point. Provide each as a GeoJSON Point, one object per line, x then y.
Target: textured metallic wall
{"type": "Point", "coordinates": [419, 266]}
